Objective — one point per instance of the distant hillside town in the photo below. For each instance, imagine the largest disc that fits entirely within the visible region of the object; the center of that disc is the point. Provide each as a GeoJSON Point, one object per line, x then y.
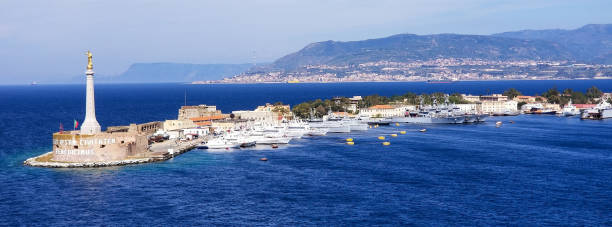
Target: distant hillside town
{"type": "Point", "coordinates": [583, 53]}
{"type": "Point", "coordinates": [449, 69]}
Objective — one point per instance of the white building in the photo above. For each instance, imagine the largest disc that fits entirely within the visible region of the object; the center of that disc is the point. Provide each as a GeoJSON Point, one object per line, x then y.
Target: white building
{"type": "Point", "coordinates": [196, 131]}
{"type": "Point", "coordinates": [469, 107]}
{"type": "Point", "coordinates": [268, 117]}
{"type": "Point", "coordinates": [170, 125]}
{"type": "Point", "coordinates": [386, 111]}
{"type": "Point", "coordinates": [491, 107]}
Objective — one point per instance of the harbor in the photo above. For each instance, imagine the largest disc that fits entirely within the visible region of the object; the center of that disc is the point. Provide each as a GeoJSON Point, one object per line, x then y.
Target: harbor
{"type": "Point", "coordinates": [526, 159]}
{"type": "Point", "coordinates": [274, 125]}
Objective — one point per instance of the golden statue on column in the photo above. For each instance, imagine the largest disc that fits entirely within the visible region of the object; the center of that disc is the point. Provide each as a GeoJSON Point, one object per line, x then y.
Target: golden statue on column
{"type": "Point", "coordinates": [89, 63]}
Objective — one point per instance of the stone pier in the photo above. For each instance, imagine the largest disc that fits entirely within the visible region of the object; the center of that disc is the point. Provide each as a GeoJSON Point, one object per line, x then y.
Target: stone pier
{"type": "Point", "coordinates": [158, 152]}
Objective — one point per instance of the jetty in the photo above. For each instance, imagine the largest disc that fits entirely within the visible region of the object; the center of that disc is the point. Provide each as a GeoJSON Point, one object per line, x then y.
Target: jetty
{"type": "Point", "coordinates": [156, 153]}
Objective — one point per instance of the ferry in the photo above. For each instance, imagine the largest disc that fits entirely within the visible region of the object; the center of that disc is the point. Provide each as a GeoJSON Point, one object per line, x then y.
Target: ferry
{"type": "Point", "coordinates": [570, 110]}
{"type": "Point", "coordinates": [602, 110]}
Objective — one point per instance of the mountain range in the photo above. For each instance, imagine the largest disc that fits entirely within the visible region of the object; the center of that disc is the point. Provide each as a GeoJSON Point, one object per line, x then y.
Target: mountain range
{"type": "Point", "coordinates": [588, 44]}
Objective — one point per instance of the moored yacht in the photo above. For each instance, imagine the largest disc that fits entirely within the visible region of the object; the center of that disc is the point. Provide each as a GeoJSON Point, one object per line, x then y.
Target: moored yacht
{"type": "Point", "coordinates": [570, 110]}
{"type": "Point", "coordinates": [602, 110]}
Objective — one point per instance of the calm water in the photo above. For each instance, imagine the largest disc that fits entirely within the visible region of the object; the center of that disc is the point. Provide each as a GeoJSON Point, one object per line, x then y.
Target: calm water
{"type": "Point", "coordinates": [541, 170]}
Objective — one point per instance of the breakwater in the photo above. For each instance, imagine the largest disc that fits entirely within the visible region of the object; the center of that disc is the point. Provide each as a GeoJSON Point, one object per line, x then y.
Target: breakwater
{"type": "Point", "coordinates": [157, 153]}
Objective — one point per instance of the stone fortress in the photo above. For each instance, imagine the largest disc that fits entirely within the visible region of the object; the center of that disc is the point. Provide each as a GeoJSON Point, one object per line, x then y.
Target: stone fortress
{"type": "Point", "coordinates": [92, 145]}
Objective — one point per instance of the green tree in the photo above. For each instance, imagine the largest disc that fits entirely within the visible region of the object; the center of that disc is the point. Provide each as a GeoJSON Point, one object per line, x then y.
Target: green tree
{"type": "Point", "coordinates": [439, 97]}
{"type": "Point", "coordinates": [552, 95]}
{"type": "Point", "coordinates": [579, 97]}
{"type": "Point", "coordinates": [302, 110]}
{"type": "Point", "coordinates": [320, 111]}
{"type": "Point", "coordinates": [372, 100]}
{"type": "Point", "coordinates": [593, 93]}
{"type": "Point", "coordinates": [457, 99]}
{"type": "Point", "coordinates": [411, 98]}
{"type": "Point", "coordinates": [511, 93]}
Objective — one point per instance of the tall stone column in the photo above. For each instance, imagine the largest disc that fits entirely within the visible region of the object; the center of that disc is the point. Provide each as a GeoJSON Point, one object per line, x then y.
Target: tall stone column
{"type": "Point", "coordinates": [90, 125]}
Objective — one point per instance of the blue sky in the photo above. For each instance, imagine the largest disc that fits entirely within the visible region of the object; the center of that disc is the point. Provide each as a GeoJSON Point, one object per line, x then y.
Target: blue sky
{"type": "Point", "coordinates": [46, 40]}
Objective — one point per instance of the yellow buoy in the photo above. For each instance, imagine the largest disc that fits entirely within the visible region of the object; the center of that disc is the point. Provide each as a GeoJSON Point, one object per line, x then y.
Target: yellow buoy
{"type": "Point", "coordinates": [396, 124]}
{"type": "Point", "coordinates": [381, 137]}
{"type": "Point", "coordinates": [386, 143]}
{"type": "Point", "coordinates": [393, 135]}
{"type": "Point", "coordinates": [370, 126]}
{"type": "Point", "coordinates": [402, 132]}
{"type": "Point", "coordinates": [350, 143]}
{"type": "Point", "coordinates": [349, 140]}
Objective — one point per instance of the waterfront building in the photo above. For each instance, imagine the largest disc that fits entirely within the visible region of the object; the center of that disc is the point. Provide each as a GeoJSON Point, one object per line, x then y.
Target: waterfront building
{"type": "Point", "coordinates": [188, 112]}
{"type": "Point", "coordinates": [90, 144]}
{"type": "Point", "coordinates": [207, 120]}
{"type": "Point", "coordinates": [145, 128]}
{"type": "Point", "coordinates": [353, 103]}
{"type": "Point", "coordinates": [525, 99]}
{"type": "Point", "coordinates": [469, 107]}
{"type": "Point", "coordinates": [197, 131]}
{"type": "Point", "coordinates": [482, 98]}
{"type": "Point", "coordinates": [178, 124]}
{"type": "Point", "coordinates": [493, 107]}
{"type": "Point", "coordinates": [267, 117]}
{"type": "Point", "coordinates": [231, 124]}
{"type": "Point", "coordinates": [386, 110]}
{"type": "Point", "coordinates": [269, 114]}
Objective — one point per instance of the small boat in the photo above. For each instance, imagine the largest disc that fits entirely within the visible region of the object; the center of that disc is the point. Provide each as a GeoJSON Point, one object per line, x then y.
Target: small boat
{"type": "Point", "coordinates": [423, 130]}
{"type": "Point", "coordinates": [274, 146]}
{"type": "Point", "coordinates": [263, 159]}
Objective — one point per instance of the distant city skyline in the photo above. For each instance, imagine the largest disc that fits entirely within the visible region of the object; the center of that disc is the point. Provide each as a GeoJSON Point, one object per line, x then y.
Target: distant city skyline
{"type": "Point", "coordinates": [46, 41]}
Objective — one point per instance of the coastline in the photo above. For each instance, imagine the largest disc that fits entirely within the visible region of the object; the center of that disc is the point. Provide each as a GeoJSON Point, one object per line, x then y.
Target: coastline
{"type": "Point", "coordinates": [391, 81]}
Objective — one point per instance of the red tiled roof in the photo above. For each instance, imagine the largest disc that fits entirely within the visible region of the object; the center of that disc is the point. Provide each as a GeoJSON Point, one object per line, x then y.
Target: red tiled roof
{"type": "Point", "coordinates": [584, 106]}
{"type": "Point", "coordinates": [203, 123]}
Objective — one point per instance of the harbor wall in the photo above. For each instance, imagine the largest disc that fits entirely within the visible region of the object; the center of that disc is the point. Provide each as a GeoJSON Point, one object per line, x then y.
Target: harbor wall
{"type": "Point", "coordinates": [74, 147]}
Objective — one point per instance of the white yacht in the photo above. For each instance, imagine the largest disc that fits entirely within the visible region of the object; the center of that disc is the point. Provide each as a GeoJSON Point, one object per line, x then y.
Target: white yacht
{"type": "Point", "coordinates": [219, 143]}
{"type": "Point", "coordinates": [570, 109]}
{"type": "Point", "coordinates": [602, 110]}
{"type": "Point", "coordinates": [317, 131]}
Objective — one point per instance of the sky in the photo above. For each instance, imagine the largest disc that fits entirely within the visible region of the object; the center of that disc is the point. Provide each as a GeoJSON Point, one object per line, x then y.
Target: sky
{"type": "Point", "coordinates": [46, 41]}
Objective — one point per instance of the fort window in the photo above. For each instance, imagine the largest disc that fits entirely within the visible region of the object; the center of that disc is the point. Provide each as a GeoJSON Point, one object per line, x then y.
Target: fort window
{"type": "Point", "coordinates": [122, 141]}
{"type": "Point", "coordinates": [76, 147]}
{"type": "Point", "coordinates": [102, 146]}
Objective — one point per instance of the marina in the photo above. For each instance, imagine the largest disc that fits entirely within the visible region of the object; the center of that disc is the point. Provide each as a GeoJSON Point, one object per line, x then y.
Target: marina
{"type": "Point", "coordinates": [458, 162]}
{"type": "Point", "coordinates": [205, 127]}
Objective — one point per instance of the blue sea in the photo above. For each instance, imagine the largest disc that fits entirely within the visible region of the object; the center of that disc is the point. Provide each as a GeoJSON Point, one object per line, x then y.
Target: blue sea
{"type": "Point", "coordinates": [537, 171]}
